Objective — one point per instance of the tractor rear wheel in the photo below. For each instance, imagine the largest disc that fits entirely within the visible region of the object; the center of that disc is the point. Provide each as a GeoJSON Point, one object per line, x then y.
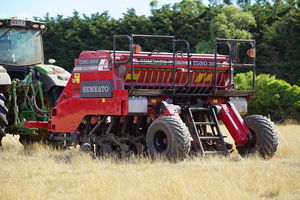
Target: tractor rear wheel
{"type": "Point", "coordinates": [168, 137]}
{"type": "Point", "coordinates": [26, 140]}
{"type": "Point", "coordinates": [3, 120]}
{"type": "Point", "coordinates": [265, 135]}
{"type": "Point", "coordinates": [53, 95]}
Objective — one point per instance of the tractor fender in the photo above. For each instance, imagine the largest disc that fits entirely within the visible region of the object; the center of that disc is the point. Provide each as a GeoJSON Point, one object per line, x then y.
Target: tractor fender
{"type": "Point", "coordinates": [4, 77]}
{"type": "Point", "coordinates": [51, 75]}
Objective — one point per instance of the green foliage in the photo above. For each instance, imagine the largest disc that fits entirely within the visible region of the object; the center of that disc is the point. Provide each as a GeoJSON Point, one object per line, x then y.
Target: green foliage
{"type": "Point", "coordinates": [281, 47]}
{"type": "Point", "coordinates": [272, 96]}
{"type": "Point", "coordinates": [153, 3]}
{"type": "Point", "coordinates": [277, 36]}
{"type": "Point", "coordinates": [231, 22]}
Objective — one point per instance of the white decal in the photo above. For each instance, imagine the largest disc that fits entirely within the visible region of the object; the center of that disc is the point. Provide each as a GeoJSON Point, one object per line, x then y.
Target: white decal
{"type": "Point", "coordinates": [89, 89]}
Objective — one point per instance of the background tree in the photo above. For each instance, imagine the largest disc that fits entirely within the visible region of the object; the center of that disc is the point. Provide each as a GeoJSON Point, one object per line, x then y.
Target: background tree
{"type": "Point", "coordinates": [272, 96]}
{"type": "Point", "coordinates": [280, 48]}
{"type": "Point", "coordinates": [230, 22]}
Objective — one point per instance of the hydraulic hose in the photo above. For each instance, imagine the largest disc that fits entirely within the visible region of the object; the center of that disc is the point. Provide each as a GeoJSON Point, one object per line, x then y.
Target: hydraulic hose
{"type": "Point", "coordinates": [36, 108]}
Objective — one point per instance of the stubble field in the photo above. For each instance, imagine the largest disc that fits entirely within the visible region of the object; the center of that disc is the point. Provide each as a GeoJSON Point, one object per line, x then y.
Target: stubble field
{"type": "Point", "coordinates": [42, 173]}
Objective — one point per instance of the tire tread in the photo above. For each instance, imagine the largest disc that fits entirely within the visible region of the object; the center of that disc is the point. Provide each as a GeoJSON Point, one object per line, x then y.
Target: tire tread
{"type": "Point", "coordinates": [181, 135]}
{"type": "Point", "coordinates": [267, 136]}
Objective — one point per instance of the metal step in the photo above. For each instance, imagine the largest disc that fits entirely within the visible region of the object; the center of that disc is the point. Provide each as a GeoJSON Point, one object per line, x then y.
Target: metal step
{"type": "Point", "coordinates": [210, 137]}
{"type": "Point", "coordinates": [209, 113]}
{"type": "Point", "coordinates": [205, 123]}
{"type": "Point", "coordinates": [199, 109]}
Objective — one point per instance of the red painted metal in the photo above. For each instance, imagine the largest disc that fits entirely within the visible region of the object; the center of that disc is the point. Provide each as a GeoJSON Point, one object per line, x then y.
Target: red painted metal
{"type": "Point", "coordinates": [37, 124]}
{"type": "Point", "coordinates": [216, 101]}
{"type": "Point", "coordinates": [165, 140]}
{"type": "Point", "coordinates": [69, 113]}
{"type": "Point", "coordinates": [71, 108]}
{"type": "Point", "coordinates": [149, 70]}
{"type": "Point", "coordinates": [234, 124]}
{"type": "Point", "coordinates": [159, 74]}
{"type": "Point", "coordinates": [170, 110]}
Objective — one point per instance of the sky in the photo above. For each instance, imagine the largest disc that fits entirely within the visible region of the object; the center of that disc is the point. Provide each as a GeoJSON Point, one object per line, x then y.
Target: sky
{"type": "Point", "coordinates": [26, 9]}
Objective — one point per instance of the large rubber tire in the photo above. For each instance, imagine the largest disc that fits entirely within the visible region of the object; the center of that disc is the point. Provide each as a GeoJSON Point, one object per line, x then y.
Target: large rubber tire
{"type": "Point", "coordinates": [3, 119]}
{"type": "Point", "coordinates": [168, 137]}
{"type": "Point", "coordinates": [26, 140]}
{"type": "Point", "coordinates": [265, 139]}
{"type": "Point", "coordinates": [53, 95]}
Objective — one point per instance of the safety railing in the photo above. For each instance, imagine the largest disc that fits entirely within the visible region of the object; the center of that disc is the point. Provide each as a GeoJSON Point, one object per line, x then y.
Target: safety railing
{"type": "Point", "coordinates": [233, 45]}
{"type": "Point", "coordinates": [173, 81]}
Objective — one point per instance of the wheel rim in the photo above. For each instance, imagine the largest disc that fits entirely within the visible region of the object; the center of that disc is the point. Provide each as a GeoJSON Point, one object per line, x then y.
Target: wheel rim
{"type": "Point", "coordinates": [160, 141]}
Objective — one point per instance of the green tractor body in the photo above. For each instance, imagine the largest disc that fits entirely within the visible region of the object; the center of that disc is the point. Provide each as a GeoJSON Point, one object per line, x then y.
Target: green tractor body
{"type": "Point", "coordinates": [28, 87]}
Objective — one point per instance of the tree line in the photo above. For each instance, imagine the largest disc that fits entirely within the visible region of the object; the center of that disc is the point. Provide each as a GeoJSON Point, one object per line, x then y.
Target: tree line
{"type": "Point", "coordinates": [274, 25]}
{"type": "Point", "coordinates": [272, 96]}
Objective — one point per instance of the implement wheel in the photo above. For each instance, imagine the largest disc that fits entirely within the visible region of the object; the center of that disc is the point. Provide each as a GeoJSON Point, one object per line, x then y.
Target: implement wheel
{"type": "Point", "coordinates": [168, 137]}
{"type": "Point", "coordinates": [265, 137]}
{"type": "Point", "coordinates": [3, 120]}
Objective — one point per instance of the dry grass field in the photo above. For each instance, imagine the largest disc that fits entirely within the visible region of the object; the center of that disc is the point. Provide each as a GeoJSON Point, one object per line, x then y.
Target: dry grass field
{"type": "Point", "coordinates": [41, 173]}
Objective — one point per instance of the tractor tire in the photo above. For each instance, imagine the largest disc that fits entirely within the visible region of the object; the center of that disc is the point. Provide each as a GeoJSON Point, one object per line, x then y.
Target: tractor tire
{"type": "Point", "coordinates": [3, 120]}
{"type": "Point", "coordinates": [26, 140]}
{"type": "Point", "coordinates": [53, 95]}
{"type": "Point", "coordinates": [168, 137]}
{"type": "Point", "coordinates": [265, 137]}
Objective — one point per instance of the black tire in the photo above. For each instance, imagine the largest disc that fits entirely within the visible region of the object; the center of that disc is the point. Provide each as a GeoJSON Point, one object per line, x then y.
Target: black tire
{"type": "Point", "coordinates": [26, 140]}
{"type": "Point", "coordinates": [53, 95]}
{"type": "Point", "coordinates": [265, 137]}
{"type": "Point", "coordinates": [168, 137]}
{"type": "Point", "coordinates": [3, 119]}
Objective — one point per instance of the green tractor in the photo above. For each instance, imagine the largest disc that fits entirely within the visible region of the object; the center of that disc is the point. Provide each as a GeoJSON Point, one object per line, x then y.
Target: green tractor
{"type": "Point", "coordinates": [28, 87]}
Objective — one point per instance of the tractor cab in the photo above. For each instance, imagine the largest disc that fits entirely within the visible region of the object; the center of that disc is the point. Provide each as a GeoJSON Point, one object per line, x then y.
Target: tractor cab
{"type": "Point", "coordinates": [21, 45]}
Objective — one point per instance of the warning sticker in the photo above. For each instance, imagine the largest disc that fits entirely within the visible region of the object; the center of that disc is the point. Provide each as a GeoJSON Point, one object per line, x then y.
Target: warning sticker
{"type": "Point", "coordinates": [77, 77]}
{"type": "Point", "coordinates": [95, 64]}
